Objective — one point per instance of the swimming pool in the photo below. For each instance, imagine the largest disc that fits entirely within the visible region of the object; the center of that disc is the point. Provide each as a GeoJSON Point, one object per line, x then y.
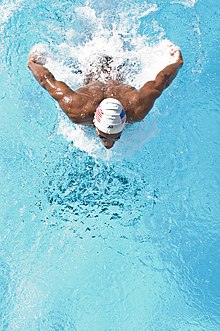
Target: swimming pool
{"type": "Point", "coordinates": [99, 241]}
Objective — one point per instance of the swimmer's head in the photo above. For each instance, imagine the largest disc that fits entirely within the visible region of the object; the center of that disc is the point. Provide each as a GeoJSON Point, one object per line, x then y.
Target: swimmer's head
{"type": "Point", "coordinates": [108, 140]}
{"type": "Point", "coordinates": [109, 120]}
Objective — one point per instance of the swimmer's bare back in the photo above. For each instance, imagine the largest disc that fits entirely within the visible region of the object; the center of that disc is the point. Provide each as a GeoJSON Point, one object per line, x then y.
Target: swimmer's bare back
{"type": "Point", "coordinates": [80, 105]}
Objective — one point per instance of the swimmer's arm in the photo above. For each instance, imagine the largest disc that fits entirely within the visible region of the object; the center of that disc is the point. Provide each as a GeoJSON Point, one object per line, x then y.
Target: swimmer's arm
{"type": "Point", "coordinates": [153, 89]}
{"type": "Point", "coordinates": [167, 75]}
{"type": "Point", "coordinates": [58, 90]}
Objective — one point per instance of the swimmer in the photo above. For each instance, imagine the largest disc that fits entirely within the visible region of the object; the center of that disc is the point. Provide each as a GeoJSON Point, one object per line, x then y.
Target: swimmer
{"type": "Point", "coordinates": [108, 105]}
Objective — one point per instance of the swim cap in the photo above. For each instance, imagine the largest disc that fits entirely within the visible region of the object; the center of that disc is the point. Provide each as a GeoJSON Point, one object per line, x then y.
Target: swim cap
{"type": "Point", "coordinates": [110, 116]}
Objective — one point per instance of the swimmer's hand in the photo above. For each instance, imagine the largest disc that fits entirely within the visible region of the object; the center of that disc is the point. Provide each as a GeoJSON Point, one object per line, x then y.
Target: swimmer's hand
{"type": "Point", "coordinates": [37, 58]}
{"type": "Point", "coordinates": [38, 54]}
{"type": "Point", "coordinates": [176, 53]}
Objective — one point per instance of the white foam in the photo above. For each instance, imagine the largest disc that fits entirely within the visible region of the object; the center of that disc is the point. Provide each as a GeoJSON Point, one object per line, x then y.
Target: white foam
{"type": "Point", "coordinates": [185, 3]}
{"type": "Point", "coordinates": [152, 9]}
{"type": "Point", "coordinates": [132, 139]}
{"type": "Point", "coordinates": [140, 58]}
{"type": "Point", "coordinates": [87, 13]}
{"type": "Point", "coordinates": [7, 8]}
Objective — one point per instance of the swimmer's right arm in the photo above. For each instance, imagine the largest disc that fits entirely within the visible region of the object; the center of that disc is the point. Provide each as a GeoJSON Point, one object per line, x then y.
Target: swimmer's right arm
{"type": "Point", "coordinates": [58, 90]}
{"type": "Point", "coordinates": [69, 101]}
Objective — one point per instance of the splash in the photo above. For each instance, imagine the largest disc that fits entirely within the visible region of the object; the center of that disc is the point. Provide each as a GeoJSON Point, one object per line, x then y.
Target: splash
{"type": "Point", "coordinates": [7, 8]}
{"type": "Point", "coordinates": [138, 57]}
{"type": "Point", "coordinates": [186, 3]}
{"type": "Point", "coordinates": [132, 139]}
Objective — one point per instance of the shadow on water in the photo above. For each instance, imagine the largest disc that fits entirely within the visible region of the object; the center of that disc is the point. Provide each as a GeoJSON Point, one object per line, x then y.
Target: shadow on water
{"type": "Point", "coordinates": [112, 194]}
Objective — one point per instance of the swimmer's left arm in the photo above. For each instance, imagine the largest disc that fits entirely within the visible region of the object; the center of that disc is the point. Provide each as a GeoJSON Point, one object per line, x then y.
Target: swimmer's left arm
{"type": "Point", "coordinates": [153, 89]}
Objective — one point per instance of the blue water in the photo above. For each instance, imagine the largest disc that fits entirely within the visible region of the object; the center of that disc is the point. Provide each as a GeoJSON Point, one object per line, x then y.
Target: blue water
{"type": "Point", "coordinates": [110, 243]}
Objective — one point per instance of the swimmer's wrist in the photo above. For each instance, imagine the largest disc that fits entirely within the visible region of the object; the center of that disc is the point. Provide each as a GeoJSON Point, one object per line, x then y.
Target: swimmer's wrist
{"type": "Point", "coordinates": [31, 59]}
{"type": "Point", "coordinates": [180, 59]}
{"type": "Point", "coordinates": [29, 63]}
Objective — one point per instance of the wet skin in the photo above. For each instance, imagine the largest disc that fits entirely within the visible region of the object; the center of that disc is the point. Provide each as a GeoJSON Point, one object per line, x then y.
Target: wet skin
{"type": "Point", "coordinates": [80, 105]}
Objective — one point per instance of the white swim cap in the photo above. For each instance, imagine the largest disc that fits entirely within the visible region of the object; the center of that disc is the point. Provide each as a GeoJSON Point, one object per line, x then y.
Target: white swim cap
{"type": "Point", "coordinates": [110, 116]}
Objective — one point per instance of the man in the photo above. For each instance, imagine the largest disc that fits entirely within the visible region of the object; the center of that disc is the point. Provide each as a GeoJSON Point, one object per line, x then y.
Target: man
{"type": "Point", "coordinates": [109, 104]}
